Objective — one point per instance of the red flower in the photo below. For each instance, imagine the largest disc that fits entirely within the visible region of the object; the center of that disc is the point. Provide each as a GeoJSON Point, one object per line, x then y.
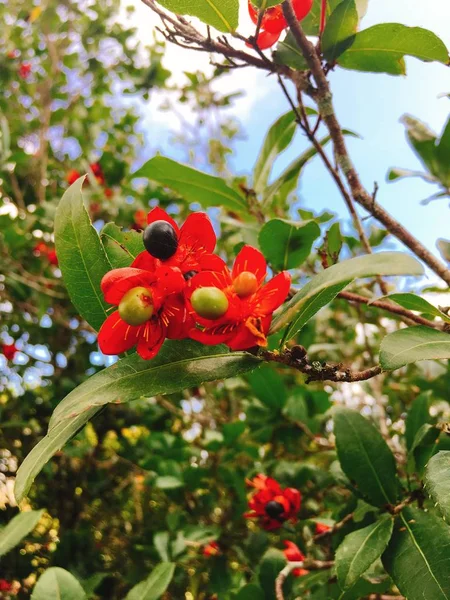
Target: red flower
{"type": "Point", "coordinates": [109, 193]}
{"type": "Point", "coordinates": [9, 351]}
{"type": "Point", "coordinates": [273, 21]}
{"type": "Point", "coordinates": [294, 554]}
{"type": "Point", "coordinates": [5, 586]}
{"type": "Point", "coordinates": [322, 528]}
{"type": "Point", "coordinates": [247, 320]}
{"type": "Point", "coordinates": [140, 219]}
{"type": "Point", "coordinates": [211, 549]}
{"type": "Point", "coordinates": [195, 243]}
{"type": "Point", "coordinates": [24, 70]}
{"type": "Point", "coordinates": [52, 258]}
{"type": "Point", "coordinates": [13, 54]}
{"type": "Point", "coordinates": [72, 176]}
{"type": "Point", "coordinates": [41, 248]}
{"type": "Point", "coordinates": [271, 504]}
{"type": "Point", "coordinates": [155, 309]}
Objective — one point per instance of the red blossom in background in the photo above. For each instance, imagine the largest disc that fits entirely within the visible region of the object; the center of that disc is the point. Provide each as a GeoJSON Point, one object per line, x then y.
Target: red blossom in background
{"type": "Point", "coordinates": [196, 242]}
{"type": "Point", "coordinates": [140, 219]}
{"type": "Point", "coordinates": [273, 22]}
{"type": "Point", "coordinates": [211, 549]}
{"type": "Point", "coordinates": [72, 176]}
{"type": "Point", "coordinates": [5, 586]}
{"type": "Point", "coordinates": [41, 249]}
{"type": "Point", "coordinates": [9, 351]}
{"type": "Point", "coordinates": [159, 293]}
{"type": "Point", "coordinates": [271, 504]}
{"type": "Point", "coordinates": [98, 173]}
{"type": "Point", "coordinates": [24, 70]}
{"type": "Point", "coordinates": [251, 304]}
{"type": "Point", "coordinates": [109, 193]}
{"type": "Point", "coordinates": [293, 553]}
{"type": "Point", "coordinates": [322, 528]}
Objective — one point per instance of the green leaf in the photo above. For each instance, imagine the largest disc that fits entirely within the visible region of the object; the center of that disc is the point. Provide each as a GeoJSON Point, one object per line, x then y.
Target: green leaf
{"type": "Point", "coordinates": [58, 584]}
{"type": "Point", "coordinates": [418, 557]}
{"type": "Point", "coordinates": [168, 482]}
{"type": "Point", "coordinates": [220, 14]}
{"type": "Point", "coordinates": [121, 247]}
{"type": "Point", "coordinates": [81, 256]}
{"type": "Point", "coordinates": [250, 592]}
{"type": "Point", "coordinates": [268, 386]}
{"type": "Point", "coordinates": [287, 244]}
{"type": "Point", "coordinates": [340, 30]}
{"type": "Point", "coordinates": [18, 528]}
{"type": "Point", "coordinates": [437, 482]}
{"type": "Point", "coordinates": [417, 303]}
{"type": "Point", "coordinates": [423, 448]}
{"type": "Point", "coordinates": [324, 287]}
{"type": "Point", "coordinates": [381, 48]}
{"type": "Point", "coordinates": [192, 185]}
{"type": "Point", "coordinates": [418, 415]}
{"type": "Point", "coordinates": [365, 457]}
{"type": "Point", "coordinates": [360, 549]}
{"type": "Point", "coordinates": [155, 585]}
{"type": "Point", "coordinates": [310, 24]}
{"type": "Point", "coordinates": [179, 365]}
{"type": "Point", "coordinates": [412, 345]}
{"type": "Point", "coordinates": [277, 139]}
{"type": "Point", "coordinates": [442, 155]}
{"type": "Point", "coordinates": [288, 53]}
{"type": "Point", "coordinates": [270, 566]}
{"type": "Point", "coordinates": [265, 4]}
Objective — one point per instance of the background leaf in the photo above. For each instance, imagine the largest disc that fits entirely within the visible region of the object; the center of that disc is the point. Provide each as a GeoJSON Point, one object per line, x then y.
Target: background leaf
{"type": "Point", "coordinates": [81, 256]}
{"type": "Point", "coordinates": [437, 482]}
{"type": "Point", "coordinates": [340, 30]}
{"type": "Point", "coordinates": [418, 415]}
{"type": "Point", "coordinates": [58, 584]}
{"type": "Point", "coordinates": [413, 344]}
{"type": "Point", "coordinates": [365, 457]}
{"type": "Point", "coordinates": [121, 247]}
{"type": "Point", "coordinates": [221, 14]}
{"type": "Point", "coordinates": [18, 528]}
{"type": "Point", "coordinates": [287, 244]}
{"type": "Point", "coordinates": [417, 303]}
{"type": "Point", "coordinates": [156, 584]}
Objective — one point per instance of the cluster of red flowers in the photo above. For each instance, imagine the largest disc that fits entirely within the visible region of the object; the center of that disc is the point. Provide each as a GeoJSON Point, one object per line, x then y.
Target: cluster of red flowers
{"type": "Point", "coordinates": [177, 288]}
{"type": "Point", "coordinates": [9, 351]}
{"type": "Point", "coordinates": [41, 249]}
{"type": "Point", "coordinates": [273, 22]}
{"type": "Point", "coordinates": [97, 171]}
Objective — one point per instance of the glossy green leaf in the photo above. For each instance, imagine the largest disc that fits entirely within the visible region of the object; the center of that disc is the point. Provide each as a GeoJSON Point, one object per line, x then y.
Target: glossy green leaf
{"type": "Point", "coordinates": [220, 14]}
{"type": "Point", "coordinates": [417, 303]}
{"type": "Point", "coordinates": [437, 482]}
{"type": "Point", "coordinates": [443, 155]}
{"type": "Point", "coordinates": [81, 256]}
{"type": "Point", "coordinates": [412, 345]}
{"type": "Point", "coordinates": [365, 457]}
{"type": "Point", "coordinates": [324, 287]}
{"type": "Point", "coordinates": [18, 528]}
{"type": "Point", "coordinates": [310, 24]}
{"type": "Point", "coordinates": [58, 584]}
{"type": "Point", "coordinates": [381, 48]}
{"type": "Point", "coordinates": [340, 30]}
{"type": "Point", "coordinates": [418, 558]}
{"type": "Point", "coordinates": [179, 365]}
{"type": "Point", "coordinates": [287, 244]}
{"type": "Point", "coordinates": [288, 53]}
{"type": "Point", "coordinates": [121, 247]}
{"type": "Point", "coordinates": [155, 585]}
{"type": "Point", "coordinates": [418, 415]}
{"type": "Point", "coordinates": [191, 184]}
{"type": "Point", "coordinates": [277, 139]}
{"type": "Point", "coordinates": [360, 549]}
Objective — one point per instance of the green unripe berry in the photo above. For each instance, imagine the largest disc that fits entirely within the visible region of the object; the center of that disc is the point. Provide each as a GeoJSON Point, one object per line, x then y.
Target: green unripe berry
{"type": "Point", "coordinates": [209, 302]}
{"type": "Point", "coordinates": [136, 307]}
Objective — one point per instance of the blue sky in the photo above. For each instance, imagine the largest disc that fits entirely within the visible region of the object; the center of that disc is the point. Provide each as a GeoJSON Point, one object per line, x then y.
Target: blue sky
{"type": "Point", "coordinates": [369, 104]}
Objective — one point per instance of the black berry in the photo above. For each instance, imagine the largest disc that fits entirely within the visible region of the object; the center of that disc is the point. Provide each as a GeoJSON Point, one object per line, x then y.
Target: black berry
{"type": "Point", "coordinates": [274, 510]}
{"type": "Point", "coordinates": [160, 240]}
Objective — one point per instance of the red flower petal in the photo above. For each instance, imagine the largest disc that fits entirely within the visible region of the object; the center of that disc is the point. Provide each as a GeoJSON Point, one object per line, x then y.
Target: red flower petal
{"type": "Point", "coordinates": [197, 233]}
{"type": "Point", "coordinates": [301, 8]}
{"type": "Point", "coordinates": [250, 259]}
{"type": "Point", "coordinates": [267, 40]}
{"type": "Point", "coordinates": [273, 19]}
{"type": "Point", "coordinates": [176, 315]}
{"type": "Point", "coordinates": [212, 262]}
{"type": "Point", "coordinates": [273, 294]}
{"type": "Point", "coordinates": [243, 339]}
{"type": "Point", "coordinates": [294, 497]}
{"type": "Point", "coordinates": [169, 280]}
{"type": "Point", "coordinates": [292, 552]}
{"type": "Point", "coordinates": [118, 282]}
{"type": "Point", "coordinates": [158, 214]}
{"type": "Point", "coordinates": [145, 261]}
{"type": "Point", "coordinates": [116, 336]}
{"type": "Point", "coordinates": [151, 339]}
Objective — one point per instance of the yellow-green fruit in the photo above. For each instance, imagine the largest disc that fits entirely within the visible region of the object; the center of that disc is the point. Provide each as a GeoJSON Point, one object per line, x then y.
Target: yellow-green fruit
{"type": "Point", "coordinates": [136, 307]}
{"type": "Point", "coordinates": [209, 302]}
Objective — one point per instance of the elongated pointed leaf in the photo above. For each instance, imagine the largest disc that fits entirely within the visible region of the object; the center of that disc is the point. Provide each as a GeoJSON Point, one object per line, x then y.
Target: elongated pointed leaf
{"type": "Point", "coordinates": [417, 303]}
{"type": "Point", "coordinates": [156, 584]}
{"type": "Point", "coordinates": [340, 30]}
{"type": "Point", "coordinates": [81, 256]}
{"type": "Point", "coordinates": [365, 457]}
{"type": "Point", "coordinates": [191, 184]}
{"type": "Point", "coordinates": [412, 345]}
{"type": "Point", "coordinates": [121, 247]}
{"type": "Point", "coordinates": [381, 48]}
{"type": "Point", "coordinates": [360, 549]}
{"type": "Point", "coordinates": [423, 447]}
{"type": "Point", "coordinates": [58, 584]}
{"type": "Point", "coordinates": [277, 139]}
{"type": "Point", "coordinates": [437, 482]}
{"type": "Point", "coordinates": [326, 286]}
{"type": "Point", "coordinates": [418, 558]}
{"type": "Point", "coordinates": [179, 365]}
{"type": "Point", "coordinates": [418, 415]}
{"type": "Point", "coordinates": [18, 528]}
{"type": "Point", "coordinates": [287, 244]}
{"type": "Point", "coordinates": [220, 14]}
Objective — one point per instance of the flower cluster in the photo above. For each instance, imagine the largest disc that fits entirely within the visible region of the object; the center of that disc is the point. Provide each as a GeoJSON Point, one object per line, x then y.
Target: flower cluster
{"type": "Point", "coordinates": [177, 288]}
{"type": "Point", "coordinates": [271, 504]}
{"type": "Point", "coordinates": [273, 22]}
